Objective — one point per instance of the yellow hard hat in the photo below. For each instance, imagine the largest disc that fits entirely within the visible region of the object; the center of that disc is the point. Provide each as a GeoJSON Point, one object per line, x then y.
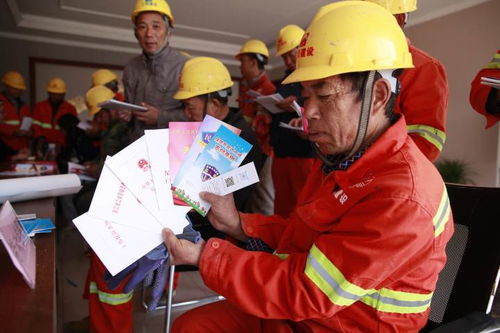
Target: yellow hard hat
{"type": "Point", "coordinates": [397, 6]}
{"type": "Point", "coordinates": [254, 46]}
{"type": "Point", "coordinates": [351, 36]}
{"type": "Point", "coordinates": [160, 6]}
{"type": "Point", "coordinates": [96, 95]}
{"type": "Point", "coordinates": [102, 76]}
{"type": "Point", "coordinates": [202, 75]}
{"type": "Point", "coordinates": [56, 86]}
{"type": "Point", "coordinates": [288, 39]}
{"type": "Point", "coordinates": [14, 79]}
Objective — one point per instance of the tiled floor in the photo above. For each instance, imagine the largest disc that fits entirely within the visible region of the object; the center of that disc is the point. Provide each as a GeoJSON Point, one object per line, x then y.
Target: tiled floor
{"type": "Point", "coordinates": [72, 272]}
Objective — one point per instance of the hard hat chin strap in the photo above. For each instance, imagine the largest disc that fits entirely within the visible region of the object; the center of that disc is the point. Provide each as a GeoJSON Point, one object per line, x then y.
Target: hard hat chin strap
{"type": "Point", "coordinates": [364, 119]}
{"type": "Point", "coordinates": [205, 107]}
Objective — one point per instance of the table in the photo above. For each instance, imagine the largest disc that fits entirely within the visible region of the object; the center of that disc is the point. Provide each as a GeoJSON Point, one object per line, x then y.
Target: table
{"type": "Point", "coordinates": [23, 309]}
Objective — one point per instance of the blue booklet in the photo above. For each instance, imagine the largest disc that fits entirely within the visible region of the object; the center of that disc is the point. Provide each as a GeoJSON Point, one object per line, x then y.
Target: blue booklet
{"type": "Point", "coordinates": [207, 130]}
{"type": "Point", "coordinates": [223, 153]}
{"type": "Point", "coordinates": [37, 226]}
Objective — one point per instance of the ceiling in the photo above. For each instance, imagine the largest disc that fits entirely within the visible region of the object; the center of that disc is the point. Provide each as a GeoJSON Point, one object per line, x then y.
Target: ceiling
{"type": "Point", "coordinates": [208, 27]}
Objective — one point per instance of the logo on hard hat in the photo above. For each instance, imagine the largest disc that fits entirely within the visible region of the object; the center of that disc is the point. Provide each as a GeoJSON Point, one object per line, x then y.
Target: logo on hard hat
{"type": "Point", "coordinates": [303, 41]}
{"type": "Point", "coordinates": [305, 51]}
{"type": "Point", "coordinates": [281, 42]}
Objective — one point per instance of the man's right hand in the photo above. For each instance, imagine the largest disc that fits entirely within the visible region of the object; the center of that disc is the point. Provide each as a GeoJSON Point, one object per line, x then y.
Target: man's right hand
{"type": "Point", "coordinates": [286, 103]}
{"type": "Point", "coordinates": [223, 215]}
{"type": "Point", "coordinates": [125, 115]}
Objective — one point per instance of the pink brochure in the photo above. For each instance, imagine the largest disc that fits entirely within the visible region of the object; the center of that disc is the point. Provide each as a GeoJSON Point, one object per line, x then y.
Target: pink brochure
{"type": "Point", "coordinates": [19, 245]}
{"type": "Point", "coordinates": [181, 136]}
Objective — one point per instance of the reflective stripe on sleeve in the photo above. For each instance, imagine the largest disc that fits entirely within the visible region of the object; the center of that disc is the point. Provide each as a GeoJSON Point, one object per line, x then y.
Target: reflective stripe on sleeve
{"type": "Point", "coordinates": [12, 122]}
{"type": "Point", "coordinates": [111, 299]}
{"type": "Point", "coordinates": [443, 214]}
{"type": "Point", "coordinates": [431, 134]}
{"type": "Point", "coordinates": [387, 300]}
{"type": "Point", "coordinates": [330, 280]}
{"type": "Point", "coordinates": [495, 62]}
{"type": "Point", "coordinates": [43, 125]}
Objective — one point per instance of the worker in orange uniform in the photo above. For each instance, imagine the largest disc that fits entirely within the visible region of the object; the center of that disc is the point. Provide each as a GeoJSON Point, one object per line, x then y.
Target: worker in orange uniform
{"type": "Point", "coordinates": [15, 110]}
{"type": "Point", "coordinates": [107, 78]}
{"type": "Point", "coordinates": [109, 310]}
{"type": "Point", "coordinates": [293, 155]}
{"type": "Point", "coordinates": [253, 57]}
{"type": "Point", "coordinates": [423, 99]}
{"type": "Point", "coordinates": [484, 96]}
{"type": "Point", "coordinates": [47, 113]}
{"type": "Point", "coordinates": [205, 86]}
{"type": "Point", "coordinates": [363, 248]}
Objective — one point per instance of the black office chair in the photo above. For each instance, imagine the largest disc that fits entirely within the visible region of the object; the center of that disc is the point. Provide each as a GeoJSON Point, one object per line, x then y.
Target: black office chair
{"type": "Point", "coordinates": [463, 296]}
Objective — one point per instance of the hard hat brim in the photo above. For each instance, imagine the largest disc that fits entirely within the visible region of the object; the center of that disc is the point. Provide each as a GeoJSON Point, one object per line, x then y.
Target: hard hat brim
{"type": "Point", "coordinates": [284, 50]}
{"type": "Point", "coordinates": [309, 73]}
{"type": "Point", "coordinates": [16, 86]}
{"type": "Point", "coordinates": [56, 91]}
{"type": "Point", "coordinates": [182, 95]}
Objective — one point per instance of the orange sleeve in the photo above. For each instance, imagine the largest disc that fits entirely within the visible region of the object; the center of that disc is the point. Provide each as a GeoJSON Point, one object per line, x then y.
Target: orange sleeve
{"type": "Point", "coordinates": [424, 103]}
{"type": "Point", "coordinates": [479, 94]}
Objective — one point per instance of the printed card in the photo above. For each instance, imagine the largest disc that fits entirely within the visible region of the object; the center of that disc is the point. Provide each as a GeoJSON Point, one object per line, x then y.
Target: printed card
{"type": "Point", "coordinates": [206, 131]}
{"type": "Point", "coordinates": [182, 135]}
{"type": "Point", "coordinates": [233, 180]}
{"type": "Point", "coordinates": [223, 153]}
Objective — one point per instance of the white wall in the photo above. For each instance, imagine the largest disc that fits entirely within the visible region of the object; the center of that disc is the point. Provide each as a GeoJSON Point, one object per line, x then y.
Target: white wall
{"type": "Point", "coordinates": [77, 79]}
{"type": "Point", "coordinates": [464, 42]}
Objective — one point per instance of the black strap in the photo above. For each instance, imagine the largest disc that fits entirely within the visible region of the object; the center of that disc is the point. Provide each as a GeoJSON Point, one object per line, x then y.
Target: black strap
{"type": "Point", "coordinates": [364, 119]}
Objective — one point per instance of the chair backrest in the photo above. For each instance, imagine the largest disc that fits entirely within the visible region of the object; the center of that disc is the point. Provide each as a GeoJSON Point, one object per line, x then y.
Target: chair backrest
{"type": "Point", "coordinates": [466, 282]}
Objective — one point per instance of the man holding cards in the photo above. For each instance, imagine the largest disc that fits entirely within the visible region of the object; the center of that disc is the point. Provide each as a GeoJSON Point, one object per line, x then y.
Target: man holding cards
{"type": "Point", "coordinates": [152, 78]}
{"type": "Point", "coordinates": [205, 86]}
{"type": "Point", "coordinates": [363, 248]}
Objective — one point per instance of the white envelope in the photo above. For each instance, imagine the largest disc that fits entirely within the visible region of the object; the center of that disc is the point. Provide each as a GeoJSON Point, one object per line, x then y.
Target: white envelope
{"type": "Point", "coordinates": [133, 168]}
{"type": "Point", "coordinates": [114, 202]}
{"type": "Point", "coordinates": [118, 246]}
{"type": "Point", "coordinates": [157, 146]}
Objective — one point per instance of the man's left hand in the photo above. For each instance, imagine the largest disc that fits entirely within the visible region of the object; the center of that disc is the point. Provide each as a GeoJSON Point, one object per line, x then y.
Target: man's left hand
{"type": "Point", "coordinates": [286, 104]}
{"type": "Point", "coordinates": [149, 117]}
{"type": "Point", "coordinates": [182, 252]}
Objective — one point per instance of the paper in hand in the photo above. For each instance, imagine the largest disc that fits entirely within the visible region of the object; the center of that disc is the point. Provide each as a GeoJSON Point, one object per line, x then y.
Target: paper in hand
{"type": "Point", "coordinates": [113, 104]}
{"type": "Point", "coordinates": [224, 153]}
{"type": "Point", "coordinates": [232, 181]}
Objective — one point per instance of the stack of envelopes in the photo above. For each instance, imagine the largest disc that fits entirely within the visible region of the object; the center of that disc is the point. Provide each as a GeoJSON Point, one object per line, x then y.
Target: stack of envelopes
{"type": "Point", "coordinates": [135, 199]}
